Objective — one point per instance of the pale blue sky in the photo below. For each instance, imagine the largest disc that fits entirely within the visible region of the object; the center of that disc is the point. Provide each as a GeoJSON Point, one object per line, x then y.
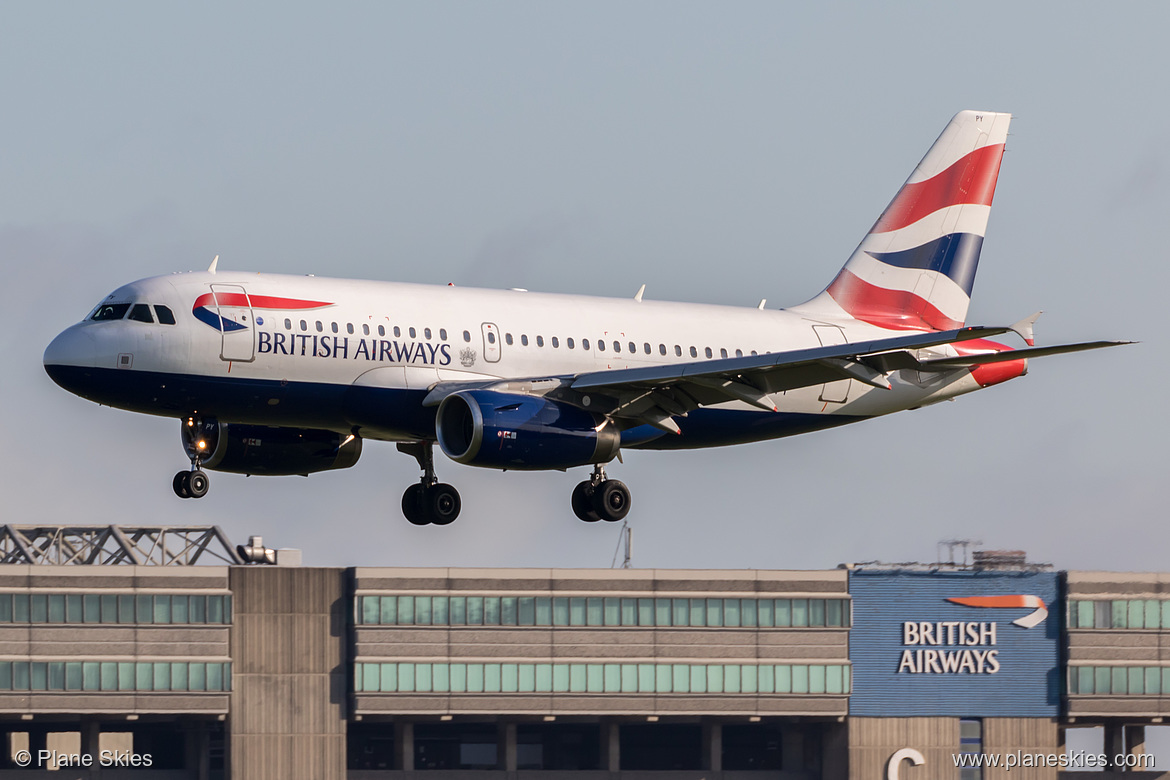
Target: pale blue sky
{"type": "Point", "coordinates": [720, 152]}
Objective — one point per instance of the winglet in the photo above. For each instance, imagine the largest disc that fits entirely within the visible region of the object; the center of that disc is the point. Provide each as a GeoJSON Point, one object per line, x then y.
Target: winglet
{"type": "Point", "coordinates": [1024, 328]}
{"type": "Point", "coordinates": [214, 263]}
{"type": "Point", "coordinates": [638, 295]}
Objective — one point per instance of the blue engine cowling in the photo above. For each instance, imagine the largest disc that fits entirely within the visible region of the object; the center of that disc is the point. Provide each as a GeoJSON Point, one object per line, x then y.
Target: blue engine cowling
{"type": "Point", "coordinates": [264, 451]}
{"type": "Point", "coordinates": [506, 431]}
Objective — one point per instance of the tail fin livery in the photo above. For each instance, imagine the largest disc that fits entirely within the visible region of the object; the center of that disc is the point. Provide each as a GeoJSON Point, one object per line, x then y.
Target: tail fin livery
{"type": "Point", "coordinates": [915, 268]}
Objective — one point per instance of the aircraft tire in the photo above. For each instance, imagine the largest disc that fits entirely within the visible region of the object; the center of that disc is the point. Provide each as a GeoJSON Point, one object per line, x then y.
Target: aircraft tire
{"type": "Point", "coordinates": [198, 484]}
{"type": "Point", "coordinates": [582, 502]}
{"type": "Point", "coordinates": [611, 500]}
{"type": "Point", "coordinates": [443, 502]}
{"type": "Point", "coordinates": [181, 484]}
{"type": "Point", "coordinates": [412, 506]}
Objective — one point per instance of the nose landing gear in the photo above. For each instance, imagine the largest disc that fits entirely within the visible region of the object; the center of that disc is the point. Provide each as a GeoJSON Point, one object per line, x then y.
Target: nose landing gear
{"type": "Point", "coordinates": [600, 498]}
{"type": "Point", "coordinates": [430, 501]}
{"type": "Point", "coordinates": [191, 484]}
{"type": "Point", "coordinates": [194, 483]}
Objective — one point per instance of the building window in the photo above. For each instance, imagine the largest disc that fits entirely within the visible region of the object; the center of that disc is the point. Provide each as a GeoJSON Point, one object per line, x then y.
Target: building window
{"type": "Point", "coordinates": [1147, 614]}
{"type": "Point", "coordinates": [970, 743]}
{"type": "Point", "coordinates": [616, 678]}
{"type": "Point", "coordinates": [76, 608]}
{"type": "Point", "coordinates": [183, 676]}
{"type": "Point", "coordinates": [598, 611]}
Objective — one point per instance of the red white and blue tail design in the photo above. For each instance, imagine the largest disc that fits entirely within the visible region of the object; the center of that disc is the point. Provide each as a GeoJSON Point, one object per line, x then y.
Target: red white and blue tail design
{"type": "Point", "coordinates": [916, 267]}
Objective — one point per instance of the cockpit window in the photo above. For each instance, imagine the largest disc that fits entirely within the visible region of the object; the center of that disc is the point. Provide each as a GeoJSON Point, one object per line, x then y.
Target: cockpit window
{"type": "Point", "coordinates": [111, 311]}
{"type": "Point", "coordinates": [141, 313]}
{"type": "Point", "coordinates": [165, 315]}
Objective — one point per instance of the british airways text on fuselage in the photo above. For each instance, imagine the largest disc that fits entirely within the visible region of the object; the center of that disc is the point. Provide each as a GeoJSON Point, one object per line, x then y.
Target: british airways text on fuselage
{"type": "Point", "coordinates": [343, 348]}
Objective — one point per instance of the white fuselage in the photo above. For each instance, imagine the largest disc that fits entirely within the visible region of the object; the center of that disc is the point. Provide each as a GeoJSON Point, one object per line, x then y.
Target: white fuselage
{"type": "Point", "coordinates": [406, 337]}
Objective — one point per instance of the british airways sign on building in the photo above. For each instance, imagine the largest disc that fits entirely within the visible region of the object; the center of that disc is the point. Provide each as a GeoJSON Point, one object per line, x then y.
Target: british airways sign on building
{"type": "Point", "coordinates": [960, 643]}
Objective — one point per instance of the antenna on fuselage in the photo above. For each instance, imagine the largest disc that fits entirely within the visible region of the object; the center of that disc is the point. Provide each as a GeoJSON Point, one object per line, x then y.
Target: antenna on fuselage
{"type": "Point", "coordinates": [638, 295]}
{"type": "Point", "coordinates": [214, 263]}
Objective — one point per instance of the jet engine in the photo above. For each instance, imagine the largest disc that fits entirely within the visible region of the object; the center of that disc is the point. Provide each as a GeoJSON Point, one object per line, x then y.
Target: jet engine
{"type": "Point", "coordinates": [511, 431]}
{"type": "Point", "coordinates": [264, 451]}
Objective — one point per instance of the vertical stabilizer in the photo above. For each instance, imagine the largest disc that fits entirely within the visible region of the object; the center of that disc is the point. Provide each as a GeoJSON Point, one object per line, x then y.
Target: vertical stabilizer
{"type": "Point", "coordinates": [916, 267]}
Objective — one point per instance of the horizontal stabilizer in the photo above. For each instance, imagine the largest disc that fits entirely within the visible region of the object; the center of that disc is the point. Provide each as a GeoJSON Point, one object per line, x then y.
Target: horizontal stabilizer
{"type": "Point", "coordinates": [942, 364]}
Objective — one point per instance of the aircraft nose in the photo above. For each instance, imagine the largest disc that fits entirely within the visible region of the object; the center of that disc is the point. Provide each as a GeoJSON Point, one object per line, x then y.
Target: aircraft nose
{"type": "Point", "coordinates": [73, 348]}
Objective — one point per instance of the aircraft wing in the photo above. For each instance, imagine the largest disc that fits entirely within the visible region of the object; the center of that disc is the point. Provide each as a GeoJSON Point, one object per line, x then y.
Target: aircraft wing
{"type": "Point", "coordinates": [655, 394]}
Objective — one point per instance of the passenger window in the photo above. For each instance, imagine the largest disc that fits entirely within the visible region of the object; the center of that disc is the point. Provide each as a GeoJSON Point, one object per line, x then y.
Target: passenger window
{"type": "Point", "coordinates": [540, 341]}
{"type": "Point", "coordinates": [694, 352]}
{"type": "Point", "coordinates": [467, 336]}
{"type": "Point", "coordinates": [633, 348]}
{"type": "Point", "coordinates": [524, 339]}
{"type": "Point", "coordinates": [677, 351]}
{"type": "Point", "coordinates": [661, 349]}
{"type": "Point", "coordinates": [397, 332]}
{"type": "Point", "coordinates": [739, 353]}
{"type": "Point", "coordinates": [722, 352]}
{"type": "Point", "coordinates": [617, 346]}
{"type": "Point", "coordinates": [646, 347]}
{"type": "Point", "coordinates": [287, 324]}
{"type": "Point", "coordinates": [141, 313]}
{"type": "Point", "coordinates": [508, 339]}
{"type": "Point", "coordinates": [304, 325]}
{"type": "Point", "coordinates": [753, 353]}
{"type": "Point", "coordinates": [555, 342]}
{"type": "Point", "coordinates": [334, 325]}
{"type": "Point", "coordinates": [381, 330]}
{"type": "Point", "coordinates": [412, 331]}
{"type": "Point", "coordinates": [442, 334]}
{"type": "Point", "coordinates": [600, 345]}
{"type": "Point", "coordinates": [349, 327]}
{"type": "Point", "coordinates": [427, 333]}
{"type": "Point", "coordinates": [707, 352]}
{"type": "Point", "coordinates": [365, 329]}
{"type": "Point", "coordinates": [585, 344]}
{"type": "Point", "coordinates": [165, 315]}
{"type": "Point", "coordinates": [111, 311]}
{"type": "Point", "coordinates": [569, 343]}
{"type": "Point", "coordinates": [320, 328]}
{"type": "Point", "coordinates": [491, 337]}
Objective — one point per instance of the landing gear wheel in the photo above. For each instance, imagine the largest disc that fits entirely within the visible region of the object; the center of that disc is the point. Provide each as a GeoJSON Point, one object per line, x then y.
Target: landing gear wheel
{"type": "Point", "coordinates": [198, 484]}
{"type": "Point", "coordinates": [583, 502]}
{"type": "Point", "coordinates": [412, 505]}
{"type": "Point", "coordinates": [181, 484]}
{"type": "Point", "coordinates": [429, 501]}
{"type": "Point", "coordinates": [444, 504]}
{"type": "Point", "coordinates": [611, 500]}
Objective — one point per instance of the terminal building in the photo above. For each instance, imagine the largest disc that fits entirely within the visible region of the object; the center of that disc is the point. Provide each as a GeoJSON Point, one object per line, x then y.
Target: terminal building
{"type": "Point", "coordinates": [179, 654]}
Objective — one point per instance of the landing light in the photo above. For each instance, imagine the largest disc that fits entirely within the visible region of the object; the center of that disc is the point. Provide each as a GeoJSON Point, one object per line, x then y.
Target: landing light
{"type": "Point", "coordinates": [201, 445]}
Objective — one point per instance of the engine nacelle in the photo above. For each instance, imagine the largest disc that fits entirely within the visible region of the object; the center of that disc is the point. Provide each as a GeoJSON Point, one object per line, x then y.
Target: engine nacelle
{"type": "Point", "coordinates": [506, 431]}
{"type": "Point", "coordinates": [264, 451]}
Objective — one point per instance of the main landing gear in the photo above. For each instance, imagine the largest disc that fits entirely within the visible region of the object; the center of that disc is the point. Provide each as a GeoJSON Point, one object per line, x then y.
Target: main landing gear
{"type": "Point", "coordinates": [599, 498]}
{"type": "Point", "coordinates": [194, 483]}
{"type": "Point", "coordinates": [430, 501]}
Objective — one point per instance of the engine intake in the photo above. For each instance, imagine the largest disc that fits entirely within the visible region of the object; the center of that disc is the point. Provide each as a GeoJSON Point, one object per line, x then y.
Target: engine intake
{"type": "Point", "coordinates": [508, 431]}
{"type": "Point", "coordinates": [264, 451]}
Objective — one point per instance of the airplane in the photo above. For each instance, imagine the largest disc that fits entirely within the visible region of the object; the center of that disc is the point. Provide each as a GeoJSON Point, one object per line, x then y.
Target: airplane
{"type": "Point", "coordinates": [280, 375]}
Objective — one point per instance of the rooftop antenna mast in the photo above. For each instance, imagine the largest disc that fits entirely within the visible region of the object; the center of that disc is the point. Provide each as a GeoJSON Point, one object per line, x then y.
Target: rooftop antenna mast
{"type": "Point", "coordinates": [951, 544]}
{"type": "Point", "coordinates": [625, 542]}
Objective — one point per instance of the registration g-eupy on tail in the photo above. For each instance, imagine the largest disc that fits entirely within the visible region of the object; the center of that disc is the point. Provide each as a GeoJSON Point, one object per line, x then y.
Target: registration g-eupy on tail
{"type": "Point", "coordinates": [273, 374]}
